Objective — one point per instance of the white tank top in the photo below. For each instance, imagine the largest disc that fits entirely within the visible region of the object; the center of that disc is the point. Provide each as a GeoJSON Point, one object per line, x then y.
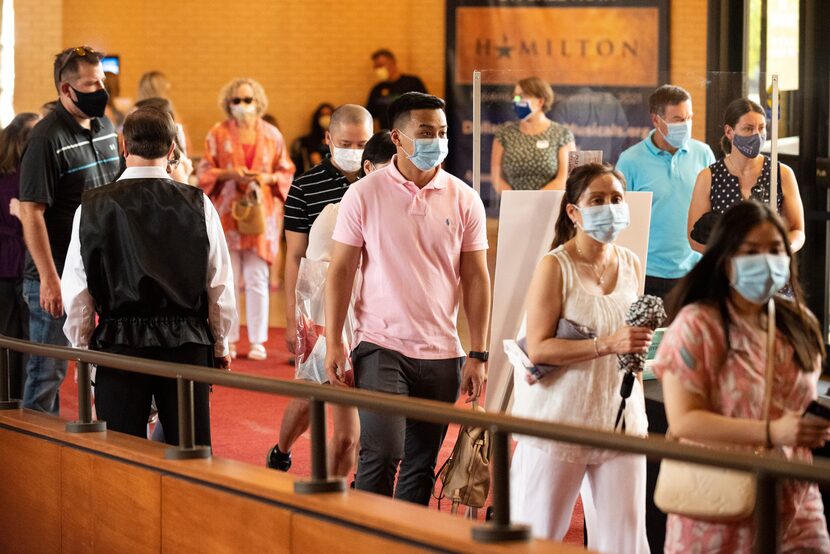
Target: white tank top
{"type": "Point", "coordinates": [586, 393]}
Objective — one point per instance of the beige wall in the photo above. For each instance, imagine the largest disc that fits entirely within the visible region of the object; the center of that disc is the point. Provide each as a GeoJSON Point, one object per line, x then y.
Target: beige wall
{"type": "Point", "coordinates": [303, 51]}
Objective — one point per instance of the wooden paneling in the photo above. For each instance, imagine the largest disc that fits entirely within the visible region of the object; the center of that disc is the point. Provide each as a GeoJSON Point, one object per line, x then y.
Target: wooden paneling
{"type": "Point", "coordinates": [30, 482]}
{"type": "Point", "coordinates": [126, 504]}
{"type": "Point", "coordinates": [77, 529]}
{"type": "Point", "coordinates": [115, 506]}
{"type": "Point", "coordinates": [315, 535]}
{"type": "Point", "coordinates": [196, 518]}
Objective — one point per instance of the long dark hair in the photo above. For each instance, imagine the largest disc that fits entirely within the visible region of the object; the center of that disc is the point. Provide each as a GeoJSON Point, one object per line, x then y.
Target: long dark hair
{"type": "Point", "coordinates": [708, 283]}
{"type": "Point", "coordinates": [12, 140]}
{"type": "Point", "coordinates": [578, 182]}
{"type": "Point", "coordinates": [318, 134]}
{"type": "Point", "coordinates": [734, 112]}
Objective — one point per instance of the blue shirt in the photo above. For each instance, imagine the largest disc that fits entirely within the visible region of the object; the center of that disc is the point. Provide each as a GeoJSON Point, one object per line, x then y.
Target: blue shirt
{"type": "Point", "coordinates": [670, 178]}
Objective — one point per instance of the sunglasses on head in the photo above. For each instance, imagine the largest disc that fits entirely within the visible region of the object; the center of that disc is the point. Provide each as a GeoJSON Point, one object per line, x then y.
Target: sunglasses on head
{"type": "Point", "coordinates": [247, 100]}
{"type": "Point", "coordinates": [79, 52]}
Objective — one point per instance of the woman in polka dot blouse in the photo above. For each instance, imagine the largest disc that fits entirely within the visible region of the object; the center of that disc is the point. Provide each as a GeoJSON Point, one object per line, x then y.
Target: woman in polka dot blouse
{"type": "Point", "coordinates": [532, 153]}
{"type": "Point", "coordinates": [744, 174]}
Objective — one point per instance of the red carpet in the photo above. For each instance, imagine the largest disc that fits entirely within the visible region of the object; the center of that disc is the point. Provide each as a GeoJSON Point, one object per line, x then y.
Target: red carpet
{"type": "Point", "coordinates": [245, 425]}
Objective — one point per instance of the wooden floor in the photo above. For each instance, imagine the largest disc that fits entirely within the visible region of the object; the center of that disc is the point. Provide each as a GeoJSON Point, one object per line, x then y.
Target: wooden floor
{"type": "Point", "coordinates": [277, 303]}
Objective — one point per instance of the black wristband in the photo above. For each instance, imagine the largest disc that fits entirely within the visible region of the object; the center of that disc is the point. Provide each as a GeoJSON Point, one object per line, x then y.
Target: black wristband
{"type": "Point", "coordinates": [483, 356]}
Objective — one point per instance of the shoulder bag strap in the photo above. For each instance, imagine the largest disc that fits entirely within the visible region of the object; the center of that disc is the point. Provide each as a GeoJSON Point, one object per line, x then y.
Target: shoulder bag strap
{"type": "Point", "coordinates": [770, 362]}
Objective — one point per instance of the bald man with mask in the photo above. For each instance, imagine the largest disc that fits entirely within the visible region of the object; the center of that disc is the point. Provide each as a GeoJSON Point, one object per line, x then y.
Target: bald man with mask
{"type": "Point", "coordinates": [322, 185]}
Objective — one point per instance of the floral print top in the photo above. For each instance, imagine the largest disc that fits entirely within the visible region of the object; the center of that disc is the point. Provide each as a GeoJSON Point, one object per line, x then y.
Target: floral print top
{"type": "Point", "coordinates": [732, 381]}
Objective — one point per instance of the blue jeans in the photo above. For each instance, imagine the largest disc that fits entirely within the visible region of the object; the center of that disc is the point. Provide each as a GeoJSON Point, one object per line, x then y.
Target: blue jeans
{"type": "Point", "coordinates": [44, 376]}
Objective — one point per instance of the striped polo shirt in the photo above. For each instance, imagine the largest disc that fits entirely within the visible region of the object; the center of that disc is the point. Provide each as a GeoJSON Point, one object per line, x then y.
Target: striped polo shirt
{"type": "Point", "coordinates": [60, 162]}
{"type": "Point", "coordinates": [312, 191]}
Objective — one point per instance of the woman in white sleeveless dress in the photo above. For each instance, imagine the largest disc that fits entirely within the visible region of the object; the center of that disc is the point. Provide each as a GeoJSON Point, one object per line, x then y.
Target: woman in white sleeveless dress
{"type": "Point", "coordinates": [592, 282]}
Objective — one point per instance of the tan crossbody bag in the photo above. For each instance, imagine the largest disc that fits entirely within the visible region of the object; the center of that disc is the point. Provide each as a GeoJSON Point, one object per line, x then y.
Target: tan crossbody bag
{"type": "Point", "coordinates": [249, 212]}
{"type": "Point", "coordinates": [708, 492]}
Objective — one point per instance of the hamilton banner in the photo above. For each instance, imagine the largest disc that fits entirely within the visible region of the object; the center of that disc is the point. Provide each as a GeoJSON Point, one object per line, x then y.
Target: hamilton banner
{"type": "Point", "coordinates": [602, 58]}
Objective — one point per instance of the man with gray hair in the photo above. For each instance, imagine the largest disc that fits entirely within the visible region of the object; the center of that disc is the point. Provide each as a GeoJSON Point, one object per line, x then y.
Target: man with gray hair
{"type": "Point", "coordinates": [161, 286]}
{"type": "Point", "coordinates": [311, 192]}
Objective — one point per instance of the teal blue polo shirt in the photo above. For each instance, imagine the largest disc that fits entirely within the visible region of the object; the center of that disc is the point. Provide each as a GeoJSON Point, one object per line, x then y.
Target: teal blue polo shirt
{"type": "Point", "coordinates": [670, 178]}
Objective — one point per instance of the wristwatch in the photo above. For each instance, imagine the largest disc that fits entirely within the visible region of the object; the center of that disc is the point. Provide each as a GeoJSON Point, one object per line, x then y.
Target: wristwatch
{"type": "Point", "coordinates": [483, 356]}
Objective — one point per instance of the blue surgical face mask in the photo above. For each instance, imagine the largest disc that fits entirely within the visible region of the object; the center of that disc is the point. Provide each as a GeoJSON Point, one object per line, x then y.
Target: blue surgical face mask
{"type": "Point", "coordinates": [522, 108]}
{"type": "Point", "coordinates": [749, 146]}
{"type": "Point", "coordinates": [757, 277]}
{"type": "Point", "coordinates": [678, 134]}
{"type": "Point", "coordinates": [604, 223]}
{"type": "Point", "coordinates": [428, 153]}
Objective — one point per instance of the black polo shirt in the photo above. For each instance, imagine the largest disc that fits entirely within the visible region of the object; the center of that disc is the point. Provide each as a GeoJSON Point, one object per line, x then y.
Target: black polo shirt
{"type": "Point", "coordinates": [60, 162]}
{"type": "Point", "coordinates": [312, 191]}
{"type": "Point", "coordinates": [385, 93]}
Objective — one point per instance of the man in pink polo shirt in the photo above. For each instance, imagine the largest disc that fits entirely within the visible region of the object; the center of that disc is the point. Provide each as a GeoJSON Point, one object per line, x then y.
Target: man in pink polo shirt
{"type": "Point", "coordinates": [417, 232]}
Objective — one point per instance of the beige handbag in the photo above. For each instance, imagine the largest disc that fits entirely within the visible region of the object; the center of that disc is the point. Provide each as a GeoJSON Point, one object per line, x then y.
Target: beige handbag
{"type": "Point", "coordinates": [466, 473]}
{"type": "Point", "coordinates": [708, 492]}
{"type": "Point", "coordinates": [249, 212]}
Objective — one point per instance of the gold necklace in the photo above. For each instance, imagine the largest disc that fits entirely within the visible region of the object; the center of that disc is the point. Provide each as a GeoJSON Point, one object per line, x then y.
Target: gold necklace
{"type": "Point", "coordinates": [599, 275]}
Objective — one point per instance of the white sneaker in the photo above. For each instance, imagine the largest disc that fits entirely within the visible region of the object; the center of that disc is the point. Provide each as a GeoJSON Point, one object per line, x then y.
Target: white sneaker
{"type": "Point", "coordinates": [232, 350]}
{"type": "Point", "coordinates": [257, 352]}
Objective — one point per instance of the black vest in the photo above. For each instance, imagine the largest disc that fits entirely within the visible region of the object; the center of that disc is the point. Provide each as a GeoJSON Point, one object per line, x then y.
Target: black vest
{"type": "Point", "coordinates": [145, 250]}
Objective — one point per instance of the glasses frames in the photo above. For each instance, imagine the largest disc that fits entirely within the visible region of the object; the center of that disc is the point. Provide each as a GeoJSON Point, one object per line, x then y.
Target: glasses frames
{"type": "Point", "coordinates": [247, 99]}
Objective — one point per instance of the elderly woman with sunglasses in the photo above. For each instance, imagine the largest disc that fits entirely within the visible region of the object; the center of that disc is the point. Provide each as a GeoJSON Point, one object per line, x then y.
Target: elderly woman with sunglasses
{"type": "Point", "coordinates": [244, 154]}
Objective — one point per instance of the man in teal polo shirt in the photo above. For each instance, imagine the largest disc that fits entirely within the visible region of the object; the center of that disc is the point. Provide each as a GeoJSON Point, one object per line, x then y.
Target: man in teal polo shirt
{"type": "Point", "coordinates": [666, 163]}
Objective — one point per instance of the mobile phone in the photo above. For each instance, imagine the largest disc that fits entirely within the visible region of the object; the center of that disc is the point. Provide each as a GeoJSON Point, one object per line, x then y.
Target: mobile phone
{"type": "Point", "coordinates": [817, 410]}
{"type": "Point", "coordinates": [656, 338]}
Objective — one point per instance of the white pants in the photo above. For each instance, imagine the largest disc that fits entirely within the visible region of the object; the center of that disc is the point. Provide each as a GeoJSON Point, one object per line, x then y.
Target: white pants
{"type": "Point", "coordinates": [543, 492]}
{"type": "Point", "coordinates": [253, 270]}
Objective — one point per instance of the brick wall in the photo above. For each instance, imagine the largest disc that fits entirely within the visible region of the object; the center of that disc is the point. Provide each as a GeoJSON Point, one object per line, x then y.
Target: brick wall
{"type": "Point", "coordinates": [688, 55]}
{"type": "Point", "coordinates": [303, 51]}
{"type": "Point", "coordinates": [38, 37]}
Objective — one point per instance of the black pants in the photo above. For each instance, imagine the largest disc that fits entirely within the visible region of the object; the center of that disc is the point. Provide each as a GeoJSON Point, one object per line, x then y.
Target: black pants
{"type": "Point", "coordinates": [14, 323]}
{"type": "Point", "coordinates": [122, 398]}
{"type": "Point", "coordinates": [657, 286]}
{"type": "Point", "coordinates": [387, 441]}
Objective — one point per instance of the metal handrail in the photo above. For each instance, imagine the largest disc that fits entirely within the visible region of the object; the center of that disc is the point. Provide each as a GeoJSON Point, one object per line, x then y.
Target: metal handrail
{"type": "Point", "coordinates": [768, 469]}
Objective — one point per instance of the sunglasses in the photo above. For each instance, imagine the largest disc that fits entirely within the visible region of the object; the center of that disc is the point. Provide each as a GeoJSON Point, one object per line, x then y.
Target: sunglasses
{"type": "Point", "coordinates": [237, 101]}
{"type": "Point", "coordinates": [79, 52]}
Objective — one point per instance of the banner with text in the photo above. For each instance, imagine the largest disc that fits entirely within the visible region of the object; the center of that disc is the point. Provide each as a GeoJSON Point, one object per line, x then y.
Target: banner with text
{"type": "Point", "coordinates": [602, 58]}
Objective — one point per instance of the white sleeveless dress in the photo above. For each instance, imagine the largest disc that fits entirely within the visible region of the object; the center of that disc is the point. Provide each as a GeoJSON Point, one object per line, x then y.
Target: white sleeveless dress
{"type": "Point", "coordinates": [587, 393]}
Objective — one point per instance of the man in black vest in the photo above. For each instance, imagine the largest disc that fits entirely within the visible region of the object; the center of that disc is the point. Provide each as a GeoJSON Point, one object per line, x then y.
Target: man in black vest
{"type": "Point", "coordinates": [149, 256]}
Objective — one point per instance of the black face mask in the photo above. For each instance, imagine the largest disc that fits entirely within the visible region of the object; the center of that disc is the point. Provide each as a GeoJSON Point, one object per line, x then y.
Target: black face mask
{"type": "Point", "coordinates": [92, 104]}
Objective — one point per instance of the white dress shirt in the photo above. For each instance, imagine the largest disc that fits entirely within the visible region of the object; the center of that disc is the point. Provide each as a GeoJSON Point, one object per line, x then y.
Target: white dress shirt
{"type": "Point", "coordinates": [80, 307]}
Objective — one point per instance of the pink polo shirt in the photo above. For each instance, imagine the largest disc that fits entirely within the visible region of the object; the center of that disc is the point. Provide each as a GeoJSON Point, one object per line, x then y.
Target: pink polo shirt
{"type": "Point", "coordinates": [412, 241]}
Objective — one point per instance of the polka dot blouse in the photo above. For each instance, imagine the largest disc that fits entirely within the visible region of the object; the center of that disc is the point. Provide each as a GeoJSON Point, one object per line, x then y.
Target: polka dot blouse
{"type": "Point", "coordinates": [531, 161]}
{"type": "Point", "coordinates": [726, 188]}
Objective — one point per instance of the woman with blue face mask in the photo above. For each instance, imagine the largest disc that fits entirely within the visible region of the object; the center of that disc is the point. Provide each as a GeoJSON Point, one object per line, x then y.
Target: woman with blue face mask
{"type": "Point", "coordinates": [529, 152]}
{"type": "Point", "coordinates": [743, 174]}
{"type": "Point", "coordinates": [589, 283]}
{"type": "Point", "coordinates": [711, 363]}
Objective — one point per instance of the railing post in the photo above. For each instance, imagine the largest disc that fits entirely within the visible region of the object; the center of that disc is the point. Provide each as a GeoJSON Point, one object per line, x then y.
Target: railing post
{"type": "Point", "coordinates": [500, 529]}
{"type": "Point", "coordinates": [6, 402]}
{"type": "Point", "coordinates": [320, 481]}
{"type": "Point", "coordinates": [766, 513]}
{"type": "Point", "coordinates": [187, 449]}
{"type": "Point", "coordinates": [84, 424]}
